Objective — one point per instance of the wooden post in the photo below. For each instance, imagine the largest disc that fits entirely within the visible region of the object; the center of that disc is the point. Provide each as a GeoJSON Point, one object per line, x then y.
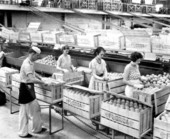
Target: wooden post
{"type": "Point", "coordinates": [113, 134]}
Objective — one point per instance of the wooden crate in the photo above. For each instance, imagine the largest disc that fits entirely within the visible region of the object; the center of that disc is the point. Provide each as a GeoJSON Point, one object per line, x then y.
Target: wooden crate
{"type": "Point", "coordinates": [130, 122]}
{"type": "Point", "coordinates": [156, 97]}
{"type": "Point", "coordinates": [44, 93]}
{"type": "Point", "coordinates": [81, 102]}
{"type": "Point", "coordinates": [115, 86]}
{"type": "Point", "coordinates": [5, 75]}
{"type": "Point", "coordinates": [13, 58]}
{"type": "Point", "coordinates": [160, 98]}
{"type": "Point", "coordinates": [116, 6]}
{"type": "Point", "coordinates": [161, 129]}
{"type": "Point", "coordinates": [24, 37]}
{"type": "Point", "coordinates": [5, 89]}
{"type": "Point", "coordinates": [69, 78]}
{"type": "Point", "coordinates": [131, 8]}
{"type": "Point", "coordinates": [107, 5]}
{"type": "Point", "coordinates": [50, 93]}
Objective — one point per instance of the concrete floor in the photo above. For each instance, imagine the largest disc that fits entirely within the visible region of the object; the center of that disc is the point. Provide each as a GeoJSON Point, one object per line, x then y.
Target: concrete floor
{"type": "Point", "coordinates": [9, 126]}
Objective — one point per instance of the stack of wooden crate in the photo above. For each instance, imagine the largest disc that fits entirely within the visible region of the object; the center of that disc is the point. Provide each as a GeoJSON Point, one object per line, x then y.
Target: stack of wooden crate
{"type": "Point", "coordinates": [81, 101]}
{"type": "Point", "coordinates": [126, 115]}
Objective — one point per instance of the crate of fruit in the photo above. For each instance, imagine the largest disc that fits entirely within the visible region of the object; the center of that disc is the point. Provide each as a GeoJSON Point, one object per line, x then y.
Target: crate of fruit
{"type": "Point", "coordinates": [155, 92]}
{"type": "Point", "coordinates": [126, 115]}
{"type": "Point", "coordinates": [162, 126]}
{"type": "Point", "coordinates": [82, 101]}
{"type": "Point", "coordinates": [114, 84]}
{"type": "Point", "coordinates": [46, 64]}
{"type": "Point", "coordinates": [5, 75]}
{"type": "Point", "coordinates": [51, 92]}
{"type": "Point", "coordinates": [44, 93]}
{"type": "Point", "coordinates": [70, 77]}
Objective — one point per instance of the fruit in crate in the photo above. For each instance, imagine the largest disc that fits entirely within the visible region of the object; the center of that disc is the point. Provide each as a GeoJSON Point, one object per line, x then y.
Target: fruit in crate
{"type": "Point", "coordinates": [160, 80]}
{"type": "Point", "coordinates": [48, 60]}
{"type": "Point", "coordinates": [165, 116]}
{"type": "Point", "coordinates": [114, 75]}
{"type": "Point", "coordinates": [149, 90]}
{"type": "Point", "coordinates": [50, 81]}
{"type": "Point", "coordinates": [126, 104]}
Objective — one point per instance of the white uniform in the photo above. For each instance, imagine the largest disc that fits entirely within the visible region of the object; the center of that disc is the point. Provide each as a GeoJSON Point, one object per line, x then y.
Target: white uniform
{"type": "Point", "coordinates": [65, 62]}
{"type": "Point", "coordinates": [29, 107]}
{"type": "Point", "coordinates": [100, 69]}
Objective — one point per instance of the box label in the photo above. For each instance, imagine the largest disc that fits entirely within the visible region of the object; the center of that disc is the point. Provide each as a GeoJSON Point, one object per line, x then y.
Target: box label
{"type": "Point", "coordinates": [118, 119]}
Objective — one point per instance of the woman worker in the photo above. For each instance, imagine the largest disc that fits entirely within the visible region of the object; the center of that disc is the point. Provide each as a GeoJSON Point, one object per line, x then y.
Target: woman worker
{"type": "Point", "coordinates": [132, 76]}
{"type": "Point", "coordinates": [64, 63]}
{"type": "Point", "coordinates": [98, 67]}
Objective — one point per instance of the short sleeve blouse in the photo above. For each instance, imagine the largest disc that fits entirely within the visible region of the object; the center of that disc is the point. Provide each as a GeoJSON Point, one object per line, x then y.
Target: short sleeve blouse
{"type": "Point", "coordinates": [134, 73]}
{"type": "Point", "coordinates": [99, 68]}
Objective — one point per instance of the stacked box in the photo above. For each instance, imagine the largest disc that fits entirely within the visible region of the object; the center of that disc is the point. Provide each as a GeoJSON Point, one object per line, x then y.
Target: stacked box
{"type": "Point", "coordinates": [81, 102]}
{"type": "Point", "coordinates": [5, 75]}
{"type": "Point", "coordinates": [127, 116]}
{"type": "Point", "coordinates": [70, 77]}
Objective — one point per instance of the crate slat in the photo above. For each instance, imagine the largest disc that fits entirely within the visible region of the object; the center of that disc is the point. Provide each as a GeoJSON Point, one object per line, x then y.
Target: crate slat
{"type": "Point", "coordinates": [81, 102]}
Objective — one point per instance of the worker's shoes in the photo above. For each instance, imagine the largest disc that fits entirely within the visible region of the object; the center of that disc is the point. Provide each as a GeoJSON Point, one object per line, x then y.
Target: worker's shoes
{"type": "Point", "coordinates": [27, 136]}
{"type": "Point", "coordinates": [42, 130]}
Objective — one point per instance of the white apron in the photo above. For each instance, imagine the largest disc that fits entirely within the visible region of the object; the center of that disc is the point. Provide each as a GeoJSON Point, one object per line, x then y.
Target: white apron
{"type": "Point", "coordinates": [129, 89]}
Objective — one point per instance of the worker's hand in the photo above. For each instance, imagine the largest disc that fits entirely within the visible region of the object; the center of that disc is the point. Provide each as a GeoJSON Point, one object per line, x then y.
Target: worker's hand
{"type": "Point", "coordinates": [46, 81]}
{"type": "Point", "coordinates": [106, 78]}
{"type": "Point", "coordinates": [65, 70]}
{"type": "Point", "coordinates": [138, 86]}
{"type": "Point", "coordinates": [74, 69]}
